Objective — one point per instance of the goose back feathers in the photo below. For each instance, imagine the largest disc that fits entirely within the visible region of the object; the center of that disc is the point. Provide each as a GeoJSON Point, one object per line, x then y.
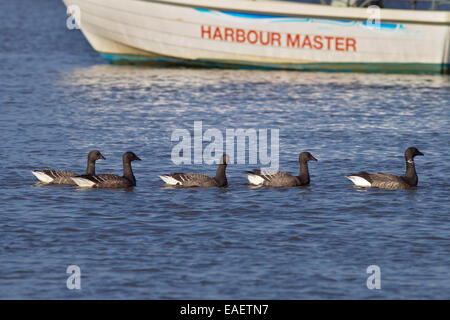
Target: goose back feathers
{"type": "Point", "coordinates": [50, 176]}
{"type": "Point", "coordinates": [111, 180]}
{"type": "Point", "coordinates": [390, 181]}
{"type": "Point", "coordinates": [281, 178]}
{"type": "Point", "coordinates": [198, 179]}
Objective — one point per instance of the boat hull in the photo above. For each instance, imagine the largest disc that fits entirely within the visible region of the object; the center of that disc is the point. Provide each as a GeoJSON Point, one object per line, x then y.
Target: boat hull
{"type": "Point", "coordinates": [265, 34]}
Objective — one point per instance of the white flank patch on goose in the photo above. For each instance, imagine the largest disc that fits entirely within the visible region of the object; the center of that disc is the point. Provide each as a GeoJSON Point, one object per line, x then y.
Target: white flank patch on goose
{"type": "Point", "coordinates": [170, 180]}
{"type": "Point", "coordinates": [42, 176]}
{"type": "Point", "coordinates": [82, 182]}
{"type": "Point", "coordinates": [254, 179]}
{"type": "Point", "coordinates": [358, 181]}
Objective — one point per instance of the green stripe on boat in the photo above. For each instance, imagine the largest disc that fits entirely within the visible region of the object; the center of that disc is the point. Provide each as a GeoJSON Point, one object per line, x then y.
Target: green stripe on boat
{"type": "Point", "coordinates": [427, 68]}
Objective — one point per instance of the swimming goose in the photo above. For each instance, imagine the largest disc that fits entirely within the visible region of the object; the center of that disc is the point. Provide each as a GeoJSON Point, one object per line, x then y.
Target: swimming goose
{"type": "Point", "coordinates": [197, 179]}
{"type": "Point", "coordinates": [50, 176]}
{"type": "Point", "coordinates": [281, 178]}
{"type": "Point", "coordinates": [110, 180]}
{"type": "Point", "coordinates": [390, 181]}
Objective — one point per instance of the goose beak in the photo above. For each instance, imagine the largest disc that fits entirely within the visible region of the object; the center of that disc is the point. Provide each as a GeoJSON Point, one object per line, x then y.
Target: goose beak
{"type": "Point", "coordinates": [102, 157]}
{"type": "Point", "coordinates": [138, 159]}
{"type": "Point", "coordinates": [313, 159]}
{"type": "Point", "coordinates": [419, 153]}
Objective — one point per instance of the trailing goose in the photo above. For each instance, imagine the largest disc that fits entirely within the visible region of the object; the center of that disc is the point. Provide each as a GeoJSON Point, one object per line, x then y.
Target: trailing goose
{"type": "Point", "coordinates": [197, 179]}
{"type": "Point", "coordinates": [390, 181]}
{"type": "Point", "coordinates": [110, 180]}
{"type": "Point", "coordinates": [281, 178]}
{"type": "Point", "coordinates": [50, 176]}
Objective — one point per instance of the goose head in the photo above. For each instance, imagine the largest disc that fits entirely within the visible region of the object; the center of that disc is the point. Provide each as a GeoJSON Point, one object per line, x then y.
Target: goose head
{"type": "Point", "coordinates": [130, 156]}
{"type": "Point", "coordinates": [95, 155]}
{"type": "Point", "coordinates": [411, 152]}
{"type": "Point", "coordinates": [305, 157]}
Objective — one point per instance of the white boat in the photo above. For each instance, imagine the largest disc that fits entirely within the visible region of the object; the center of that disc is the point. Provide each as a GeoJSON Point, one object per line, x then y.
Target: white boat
{"type": "Point", "coordinates": [267, 34]}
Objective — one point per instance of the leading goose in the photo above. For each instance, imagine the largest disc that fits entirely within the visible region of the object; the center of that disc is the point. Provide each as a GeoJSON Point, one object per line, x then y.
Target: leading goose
{"type": "Point", "coordinates": [198, 179]}
{"type": "Point", "coordinates": [111, 180]}
{"type": "Point", "coordinates": [50, 176]}
{"type": "Point", "coordinates": [390, 181]}
{"type": "Point", "coordinates": [281, 178]}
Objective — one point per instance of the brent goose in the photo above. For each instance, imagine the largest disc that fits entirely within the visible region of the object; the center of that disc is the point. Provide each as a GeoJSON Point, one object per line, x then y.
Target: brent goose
{"type": "Point", "coordinates": [110, 180]}
{"type": "Point", "coordinates": [280, 178]}
{"type": "Point", "coordinates": [50, 176]}
{"type": "Point", "coordinates": [198, 179]}
{"type": "Point", "coordinates": [390, 181]}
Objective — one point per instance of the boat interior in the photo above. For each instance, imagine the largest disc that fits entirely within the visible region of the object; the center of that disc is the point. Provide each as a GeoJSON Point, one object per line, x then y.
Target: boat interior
{"type": "Point", "coordinates": [390, 4]}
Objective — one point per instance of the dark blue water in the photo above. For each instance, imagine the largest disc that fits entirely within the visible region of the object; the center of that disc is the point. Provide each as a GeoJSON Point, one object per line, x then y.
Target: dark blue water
{"type": "Point", "coordinates": [59, 99]}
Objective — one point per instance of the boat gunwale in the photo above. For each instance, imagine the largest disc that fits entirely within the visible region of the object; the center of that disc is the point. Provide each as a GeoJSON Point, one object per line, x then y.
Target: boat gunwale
{"type": "Point", "coordinates": [358, 14]}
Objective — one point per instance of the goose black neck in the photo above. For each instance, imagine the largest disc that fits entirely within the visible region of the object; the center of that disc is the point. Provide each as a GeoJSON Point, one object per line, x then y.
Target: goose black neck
{"type": "Point", "coordinates": [411, 175]}
{"type": "Point", "coordinates": [304, 171]}
{"type": "Point", "coordinates": [221, 177]}
{"type": "Point", "coordinates": [128, 172]}
{"type": "Point", "coordinates": [90, 170]}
